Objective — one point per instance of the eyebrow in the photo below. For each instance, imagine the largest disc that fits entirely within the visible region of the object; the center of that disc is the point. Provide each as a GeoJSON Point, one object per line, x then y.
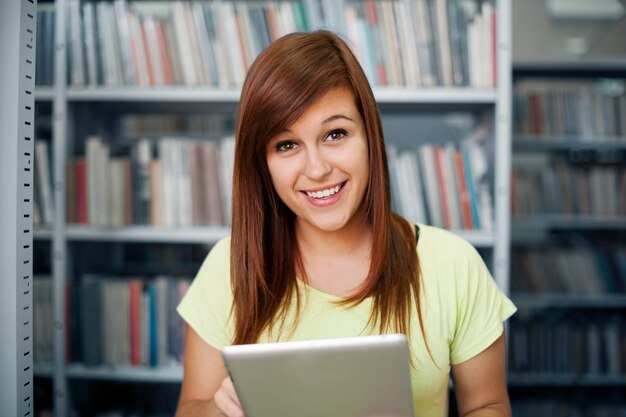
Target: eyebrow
{"type": "Point", "coordinates": [327, 120]}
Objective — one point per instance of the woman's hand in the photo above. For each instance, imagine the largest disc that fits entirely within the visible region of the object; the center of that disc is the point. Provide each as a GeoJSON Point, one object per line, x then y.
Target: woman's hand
{"type": "Point", "coordinates": [226, 400]}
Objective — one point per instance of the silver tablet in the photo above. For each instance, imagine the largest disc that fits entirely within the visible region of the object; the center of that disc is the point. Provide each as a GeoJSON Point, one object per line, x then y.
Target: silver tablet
{"type": "Point", "coordinates": [365, 376]}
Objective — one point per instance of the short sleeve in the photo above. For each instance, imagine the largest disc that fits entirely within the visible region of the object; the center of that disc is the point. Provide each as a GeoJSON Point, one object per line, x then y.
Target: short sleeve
{"type": "Point", "coordinates": [481, 309]}
{"type": "Point", "coordinates": [206, 305]}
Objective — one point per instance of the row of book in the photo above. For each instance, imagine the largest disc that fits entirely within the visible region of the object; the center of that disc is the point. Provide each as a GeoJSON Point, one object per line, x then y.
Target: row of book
{"type": "Point", "coordinates": [408, 42]}
{"type": "Point", "coordinates": [114, 320]}
{"type": "Point", "coordinates": [166, 182]}
{"type": "Point", "coordinates": [553, 184]}
{"type": "Point", "coordinates": [589, 269]}
{"type": "Point", "coordinates": [591, 109]}
{"type": "Point", "coordinates": [179, 42]}
{"type": "Point", "coordinates": [423, 43]}
{"type": "Point", "coordinates": [443, 185]}
{"type": "Point", "coordinates": [563, 342]}
{"type": "Point", "coordinates": [567, 407]}
{"type": "Point", "coordinates": [178, 181]}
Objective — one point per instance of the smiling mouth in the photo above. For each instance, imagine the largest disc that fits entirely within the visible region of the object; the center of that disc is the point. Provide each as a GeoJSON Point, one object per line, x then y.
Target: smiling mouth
{"type": "Point", "coordinates": [325, 193]}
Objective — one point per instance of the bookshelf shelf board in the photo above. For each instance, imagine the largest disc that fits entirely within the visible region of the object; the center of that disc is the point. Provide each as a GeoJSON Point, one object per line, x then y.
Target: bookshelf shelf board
{"type": "Point", "coordinates": [384, 95]}
{"type": "Point", "coordinates": [43, 370]}
{"type": "Point", "coordinates": [198, 234]}
{"type": "Point", "coordinates": [175, 94]}
{"type": "Point", "coordinates": [568, 143]}
{"type": "Point", "coordinates": [126, 373]}
{"type": "Point", "coordinates": [561, 221]}
{"type": "Point", "coordinates": [435, 95]}
{"type": "Point", "coordinates": [42, 233]}
{"type": "Point", "coordinates": [532, 380]}
{"type": "Point", "coordinates": [476, 237]}
{"type": "Point", "coordinates": [553, 300]}
{"type": "Point", "coordinates": [562, 66]}
{"type": "Point", "coordinates": [44, 93]}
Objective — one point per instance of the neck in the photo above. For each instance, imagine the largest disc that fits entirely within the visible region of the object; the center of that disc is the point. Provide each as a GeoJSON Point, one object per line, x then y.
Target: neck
{"type": "Point", "coordinates": [354, 237]}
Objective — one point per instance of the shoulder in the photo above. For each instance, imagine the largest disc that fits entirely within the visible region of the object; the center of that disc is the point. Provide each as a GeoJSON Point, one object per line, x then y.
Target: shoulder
{"type": "Point", "coordinates": [217, 261]}
{"type": "Point", "coordinates": [436, 244]}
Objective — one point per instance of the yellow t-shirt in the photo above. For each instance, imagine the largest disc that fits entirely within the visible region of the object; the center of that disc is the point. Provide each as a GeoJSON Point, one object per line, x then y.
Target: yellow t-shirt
{"type": "Point", "coordinates": [462, 308]}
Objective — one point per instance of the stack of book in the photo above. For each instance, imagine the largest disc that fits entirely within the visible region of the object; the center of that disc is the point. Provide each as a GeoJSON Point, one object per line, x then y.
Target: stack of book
{"type": "Point", "coordinates": [555, 184]}
{"type": "Point", "coordinates": [443, 185]}
{"type": "Point", "coordinates": [400, 43]}
{"type": "Point", "coordinates": [424, 43]}
{"type": "Point", "coordinates": [125, 321]}
{"type": "Point", "coordinates": [590, 109]}
{"type": "Point", "coordinates": [167, 182]}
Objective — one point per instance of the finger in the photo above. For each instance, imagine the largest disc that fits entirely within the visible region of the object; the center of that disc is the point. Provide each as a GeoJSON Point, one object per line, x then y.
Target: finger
{"type": "Point", "coordinates": [229, 387]}
{"type": "Point", "coordinates": [227, 405]}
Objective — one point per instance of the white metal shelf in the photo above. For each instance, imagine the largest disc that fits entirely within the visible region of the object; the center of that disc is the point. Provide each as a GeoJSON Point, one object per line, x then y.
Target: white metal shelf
{"type": "Point", "coordinates": [196, 234]}
{"type": "Point", "coordinates": [567, 221]}
{"type": "Point", "coordinates": [543, 143]}
{"type": "Point", "coordinates": [207, 94]}
{"type": "Point", "coordinates": [172, 373]}
{"type": "Point", "coordinates": [44, 93]}
{"type": "Point", "coordinates": [568, 300]}
{"type": "Point", "coordinates": [535, 380]}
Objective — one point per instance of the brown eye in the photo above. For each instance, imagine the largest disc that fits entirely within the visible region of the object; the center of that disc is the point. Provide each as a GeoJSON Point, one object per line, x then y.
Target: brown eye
{"type": "Point", "coordinates": [336, 135]}
{"type": "Point", "coordinates": [285, 146]}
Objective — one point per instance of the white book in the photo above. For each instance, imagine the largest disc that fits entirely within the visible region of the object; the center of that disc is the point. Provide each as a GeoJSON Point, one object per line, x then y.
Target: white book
{"type": "Point", "coordinates": [422, 40]}
{"type": "Point", "coordinates": [153, 48]}
{"type": "Point", "coordinates": [139, 60]}
{"type": "Point", "coordinates": [478, 161]}
{"type": "Point", "coordinates": [427, 164]}
{"type": "Point", "coordinates": [230, 38]}
{"type": "Point", "coordinates": [167, 177]}
{"type": "Point", "coordinates": [90, 36]}
{"type": "Point", "coordinates": [443, 30]}
{"type": "Point", "coordinates": [287, 18]}
{"type": "Point", "coordinates": [77, 73]}
{"type": "Point", "coordinates": [200, 70]}
{"type": "Point", "coordinates": [416, 192]}
{"type": "Point", "coordinates": [205, 45]}
{"type": "Point", "coordinates": [43, 178]}
{"type": "Point", "coordinates": [92, 146]}
{"type": "Point", "coordinates": [116, 168]}
{"type": "Point", "coordinates": [103, 187]}
{"type": "Point", "coordinates": [407, 187]}
{"type": "Point", "coordinates": [408, 45]}
{"type": "Point", "coordinates": [452, 195]}
{"type": "Point", "coordinates": [124, 41]}
{"type": "Point", "coordinates": [106, 58]}
{"type": "Point", "coordinates": [227, 163]}
{"type": "Point", "coordinates": [487, 57]}
{"type": "Point", "coordinates": [183, 46]}
{"type": "Point", "coordinates": [221, 57]}
{"type": "Point", "coordinates": [184, 189]}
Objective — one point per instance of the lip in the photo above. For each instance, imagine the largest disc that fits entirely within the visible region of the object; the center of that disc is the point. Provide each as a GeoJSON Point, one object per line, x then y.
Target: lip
{"type": "Point", "coordinates": [326, 187]}
{"type": "Point", "coordinates": [328, 201]}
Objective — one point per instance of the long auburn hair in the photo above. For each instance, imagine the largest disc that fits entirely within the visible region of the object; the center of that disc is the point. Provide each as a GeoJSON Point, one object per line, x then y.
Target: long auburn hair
{"type": "Point", "coordinates": [284, 80]}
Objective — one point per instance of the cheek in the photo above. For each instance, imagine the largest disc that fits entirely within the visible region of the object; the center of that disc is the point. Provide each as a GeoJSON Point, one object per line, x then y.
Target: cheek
{"type": "Point", "coordinates": [281, 174]}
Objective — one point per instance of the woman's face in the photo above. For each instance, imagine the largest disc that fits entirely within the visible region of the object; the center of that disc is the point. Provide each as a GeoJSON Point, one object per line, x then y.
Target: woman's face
{"type": "Point", "coordinates": [319, 165]}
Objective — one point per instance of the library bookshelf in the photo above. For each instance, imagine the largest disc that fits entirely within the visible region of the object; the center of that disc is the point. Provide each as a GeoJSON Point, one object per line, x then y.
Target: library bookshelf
{"type": "Point", "coordinates": [94, 118]}
{"type": "Point", "coordinates": [569, 251]}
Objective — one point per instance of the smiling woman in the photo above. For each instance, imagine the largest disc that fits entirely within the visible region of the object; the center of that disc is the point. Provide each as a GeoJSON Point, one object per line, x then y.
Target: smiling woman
{"type": "Point", "coordinates": [316, 252]}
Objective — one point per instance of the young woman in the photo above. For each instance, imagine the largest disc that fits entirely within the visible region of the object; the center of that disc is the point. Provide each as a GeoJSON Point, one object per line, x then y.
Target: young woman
{"type": "Point", "coordinates": [316, 252]}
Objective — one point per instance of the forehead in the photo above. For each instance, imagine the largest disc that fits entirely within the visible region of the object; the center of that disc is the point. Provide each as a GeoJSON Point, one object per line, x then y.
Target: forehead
{"type": "Point", "coordinates": [336, 101]}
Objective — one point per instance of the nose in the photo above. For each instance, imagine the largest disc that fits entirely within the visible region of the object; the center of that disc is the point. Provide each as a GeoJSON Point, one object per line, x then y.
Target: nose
{"type": "Point", "coordinates": [317, 165]}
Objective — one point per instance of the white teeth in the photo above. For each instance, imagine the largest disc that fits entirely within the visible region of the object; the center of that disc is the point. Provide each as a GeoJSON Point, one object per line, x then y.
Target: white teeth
{"type": "Point", "coordinates": [324, 193]}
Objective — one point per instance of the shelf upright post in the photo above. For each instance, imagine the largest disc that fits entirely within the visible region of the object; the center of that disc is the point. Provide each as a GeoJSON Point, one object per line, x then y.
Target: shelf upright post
{"type": "Point", "coordinates": [18, 25]}
{"type": "Point", "coordinates": [503, 119]}
{"type": "Point", "coordinates": [59, 248]}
